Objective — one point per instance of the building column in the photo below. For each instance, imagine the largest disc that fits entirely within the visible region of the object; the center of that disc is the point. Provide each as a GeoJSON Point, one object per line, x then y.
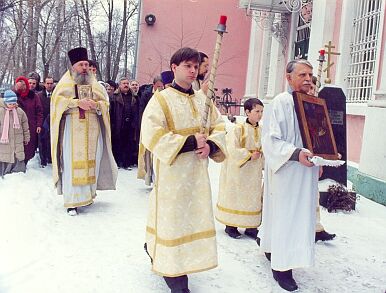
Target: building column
{"type": "Point", "coordinates": [265, 50]}
{"type": "Point", "coordinates": [322, 28]}
{"type": "Point", "coordinates": [253, 67]}
{"type": "Point", "coordinates": [279, 46]}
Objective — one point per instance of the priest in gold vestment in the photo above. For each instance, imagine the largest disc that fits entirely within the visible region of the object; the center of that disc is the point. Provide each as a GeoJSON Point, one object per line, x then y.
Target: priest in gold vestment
{"type": "Point", "coordinates": [82, 159]}
{"type": "Point", "coordinates": [180, 233]}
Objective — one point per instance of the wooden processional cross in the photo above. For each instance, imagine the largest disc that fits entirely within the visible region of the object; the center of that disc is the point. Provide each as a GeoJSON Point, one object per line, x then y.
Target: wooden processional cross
{"type": "Point", "coordinates": [329, 62]}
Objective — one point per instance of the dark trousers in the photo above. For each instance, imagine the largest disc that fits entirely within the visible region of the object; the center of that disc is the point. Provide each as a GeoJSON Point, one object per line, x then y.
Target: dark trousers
{"type": "Point", "coordinates": [127, 149]}
{"type": "Point", "coordinates": [175, 283]}
{"type": "Point", "coordinates": [44, 145]}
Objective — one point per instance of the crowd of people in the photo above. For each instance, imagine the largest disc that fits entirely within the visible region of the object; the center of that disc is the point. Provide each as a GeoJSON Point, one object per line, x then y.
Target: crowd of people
{"type": "Point", "coordinates": [127, 101]}
{"type": "Point", "coordinates": [88, 129]}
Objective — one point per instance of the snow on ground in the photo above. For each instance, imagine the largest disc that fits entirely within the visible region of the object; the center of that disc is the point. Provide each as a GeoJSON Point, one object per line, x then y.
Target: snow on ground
{"type": "Point", "coordinates": [43, 250]}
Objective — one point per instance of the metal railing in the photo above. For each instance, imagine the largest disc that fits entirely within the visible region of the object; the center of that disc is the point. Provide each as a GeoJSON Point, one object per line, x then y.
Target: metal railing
{"type": "Point", "coordinates": [227, 104]}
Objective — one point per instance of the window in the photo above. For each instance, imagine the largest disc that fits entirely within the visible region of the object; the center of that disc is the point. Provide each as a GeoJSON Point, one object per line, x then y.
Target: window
{"type": "Point", "coordinates": [363, 51]}
{"type": "Point", "coordinates": [303, 30]}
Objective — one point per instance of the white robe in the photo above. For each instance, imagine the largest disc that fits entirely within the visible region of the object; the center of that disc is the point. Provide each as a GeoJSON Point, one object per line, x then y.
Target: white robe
{"type": "Point", "coordinates": [77, 195]}
{"type": "Point", "coordinates": [180, 234]}
{"type": "Point", "coordinates": [240, 192]}
{"type": "Point", "coordinates": [83, 146]}
{"type": "Point", "coordinates": [290, 190]}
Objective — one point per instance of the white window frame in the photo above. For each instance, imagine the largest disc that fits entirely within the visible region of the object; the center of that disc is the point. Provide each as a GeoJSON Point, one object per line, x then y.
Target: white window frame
{"type": "Point", "coordinates": [355, 87]}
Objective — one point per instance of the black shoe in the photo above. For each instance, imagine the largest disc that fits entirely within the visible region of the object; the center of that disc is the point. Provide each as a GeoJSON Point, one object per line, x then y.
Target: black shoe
{"type": "Point", "coordinates": [324, 236]}
{"type": "Point", "coordinates": [185, 290]}
{"type": "Point", "coordinates": [252, 233]}
{"type": "Point", "coordinates": [72, 211]}
{"type": "Point", "coordinates": [285, 280]}
{"type": "Point", "coordinates": [232, 232]}
{"type": "Point", "coordinates": [268, 255]}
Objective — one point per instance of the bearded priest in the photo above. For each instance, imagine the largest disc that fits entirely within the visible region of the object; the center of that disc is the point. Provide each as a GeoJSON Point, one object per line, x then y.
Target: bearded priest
{"type": "Point", "coordinates": [82, 159]}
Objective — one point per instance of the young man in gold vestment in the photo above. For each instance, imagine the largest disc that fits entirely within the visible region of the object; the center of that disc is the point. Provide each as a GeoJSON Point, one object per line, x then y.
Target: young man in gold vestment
{"type": "Point", "coordinates": [180, 233]}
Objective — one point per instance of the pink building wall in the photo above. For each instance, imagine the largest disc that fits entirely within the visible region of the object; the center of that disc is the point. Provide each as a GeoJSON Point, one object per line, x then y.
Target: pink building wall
{"type": "Point", "coordinates": [191, 23]}
{"type": "Point", "coordinates": [355, 126]}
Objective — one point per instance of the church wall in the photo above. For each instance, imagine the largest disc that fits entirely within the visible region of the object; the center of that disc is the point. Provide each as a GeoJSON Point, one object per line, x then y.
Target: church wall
{"type": "Point", "coordinates": [355, 126]}
{"type": "Point", "coordinates": [182, 23]}
{"type": "Point", "coordinates": [333, 21]}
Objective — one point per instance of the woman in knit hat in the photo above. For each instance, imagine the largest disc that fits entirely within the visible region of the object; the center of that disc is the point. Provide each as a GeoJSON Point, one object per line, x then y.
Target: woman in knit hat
{"type": "Point", "coordinates": [32, 106]}
{"type": "Point", "coordinates": [14, 134]}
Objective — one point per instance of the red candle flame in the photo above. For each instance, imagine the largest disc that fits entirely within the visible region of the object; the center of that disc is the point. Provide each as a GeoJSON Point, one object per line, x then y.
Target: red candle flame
{"type": "Point", "coordinates": [223, 19]}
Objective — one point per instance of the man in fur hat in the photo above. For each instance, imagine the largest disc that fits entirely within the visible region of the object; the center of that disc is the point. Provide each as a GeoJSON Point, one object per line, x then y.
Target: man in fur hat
{"type": "Point", "coordinates": [82, 159]}
{"type": "Point", "coordinates": [167, 78]}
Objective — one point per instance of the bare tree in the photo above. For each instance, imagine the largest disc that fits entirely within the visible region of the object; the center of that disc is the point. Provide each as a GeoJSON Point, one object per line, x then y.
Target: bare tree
{"type": "Point", "coordinates": [87, 21]}
{"type": "Point", "coordinates": [121, 40]}
{"type": "Point", "coordinates": [37, 34]}
{"type": "Point", "coordinates": [53, 24]}
{"type": "Point", "coordinates": [8, 58]}
{"type": "Point", "coordinates": [7, 4]}
{"type": "Point", "coordinates": [34, 10]}
{"type": "Point", "coordinates": [109, 11]}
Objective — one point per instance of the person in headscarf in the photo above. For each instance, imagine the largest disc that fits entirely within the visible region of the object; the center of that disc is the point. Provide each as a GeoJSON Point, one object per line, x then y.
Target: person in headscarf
{"type": "Point", "coordinates": [32, 106]}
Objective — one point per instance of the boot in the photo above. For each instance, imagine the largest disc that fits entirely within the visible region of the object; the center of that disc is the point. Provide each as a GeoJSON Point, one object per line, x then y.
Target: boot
{"type": "Point", "coordinates": [258, 240]}
{"type": "Point", "coordinates": [232, 232]}
{"type": "Point", "coordinates": [72, 211]}
{"type": "Point", "coordinates": [177, 284]}
{"type": "Point", "coordinates": [324, 236]}
{"type": "Point", "coordinates": [252, 233]}
{"type": "Point", "coordinates": [285, 280]}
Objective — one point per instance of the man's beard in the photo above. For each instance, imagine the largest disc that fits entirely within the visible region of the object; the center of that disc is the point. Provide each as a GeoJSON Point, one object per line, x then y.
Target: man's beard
{"type": "Point", "coordinates": [81, 79]}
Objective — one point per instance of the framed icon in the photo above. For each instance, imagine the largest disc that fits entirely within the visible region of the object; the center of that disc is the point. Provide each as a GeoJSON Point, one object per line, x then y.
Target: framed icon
{"type": "Point", "coordinates": [315, 126]}
{"type": "Point", "coordinates": [85, 91]}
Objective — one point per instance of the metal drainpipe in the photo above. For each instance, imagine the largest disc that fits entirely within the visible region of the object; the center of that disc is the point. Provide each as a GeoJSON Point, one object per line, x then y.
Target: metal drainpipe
{"type": "Point", "coordinates": [134, 71]}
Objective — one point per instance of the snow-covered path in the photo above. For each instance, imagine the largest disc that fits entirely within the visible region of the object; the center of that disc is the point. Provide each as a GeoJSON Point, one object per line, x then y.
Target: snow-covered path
{"type": "Point", "coordinates": [43, 250]}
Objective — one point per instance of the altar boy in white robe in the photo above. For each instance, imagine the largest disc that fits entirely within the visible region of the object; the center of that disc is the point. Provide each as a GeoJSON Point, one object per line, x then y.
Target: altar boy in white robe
{"type": "Point", "coordinates": [240, 191]}
{"type": "Point", "coordinates": [290, 185]}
